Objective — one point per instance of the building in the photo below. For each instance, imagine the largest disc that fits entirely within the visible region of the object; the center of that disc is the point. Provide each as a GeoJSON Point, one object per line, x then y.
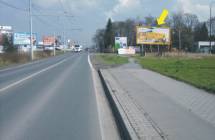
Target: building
{"type": "Point", "coordinates": [204, 46]}
{"type": "Point", "coordinates": [5, 30]}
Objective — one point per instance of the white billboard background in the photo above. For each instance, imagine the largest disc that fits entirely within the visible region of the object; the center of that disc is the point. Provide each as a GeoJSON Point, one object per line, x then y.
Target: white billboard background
{"type": "Point", "coordinates": [122, 41]}
{"type": "Point", "coordinates": [23, 38]}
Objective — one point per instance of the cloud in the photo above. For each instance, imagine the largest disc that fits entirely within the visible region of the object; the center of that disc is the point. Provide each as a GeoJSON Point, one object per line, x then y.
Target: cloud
{"type": "Point", "coordinates": [189, 6]}
{"type": "Point", "coordinates": [122, 6]}
{"type": "Point", "coordinates": [46, 3]}
{"type": "Point", "coordinates": [68, 3]}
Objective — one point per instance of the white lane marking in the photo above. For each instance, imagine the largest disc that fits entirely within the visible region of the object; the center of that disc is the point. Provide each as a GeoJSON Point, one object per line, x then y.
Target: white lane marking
{"type": "Point", "coordinates": [27, 116]}
{"type": "Point", "coordinates": [89, 61]}
{"type": "Point", "coordinates": [97, 98]}
{"type": "Point", "coordinates": [31, 76]}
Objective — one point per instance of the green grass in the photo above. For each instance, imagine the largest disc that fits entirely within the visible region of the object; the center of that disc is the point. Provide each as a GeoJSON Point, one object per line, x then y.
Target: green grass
{"type": "Point", "coordinates": [4, 63]}
{"type": "Point", "coordinates": [111, 59]}
{"type": "Point", "coordinates": [199, 72]}
{"type": "Point", "coordinates": [7, 59]}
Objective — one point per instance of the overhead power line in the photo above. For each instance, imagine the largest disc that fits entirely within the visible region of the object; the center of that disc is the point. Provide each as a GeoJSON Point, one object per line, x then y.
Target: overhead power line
{"type": "Point", "coordinates": [65, 10]}
{"type": "Point", "coordinates": [13, 6]}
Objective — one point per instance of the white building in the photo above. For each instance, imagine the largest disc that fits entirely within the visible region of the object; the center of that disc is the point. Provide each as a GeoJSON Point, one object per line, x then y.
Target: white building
{"type": "Point", "coordinates": [6, 30]}
{"type": "Point", "coordinates": [204, 46]}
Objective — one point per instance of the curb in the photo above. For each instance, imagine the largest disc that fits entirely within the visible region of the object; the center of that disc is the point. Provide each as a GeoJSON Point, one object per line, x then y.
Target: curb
{"type": "Point", "coordinates": [125, 129]}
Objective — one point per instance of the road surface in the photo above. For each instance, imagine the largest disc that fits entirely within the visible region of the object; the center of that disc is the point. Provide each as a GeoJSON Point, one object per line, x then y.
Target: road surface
{"type": "Point", "coordinates": [52, 99]}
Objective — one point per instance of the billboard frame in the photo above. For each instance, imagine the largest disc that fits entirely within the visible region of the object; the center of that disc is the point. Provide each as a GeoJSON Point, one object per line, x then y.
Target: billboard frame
{"type": "Point", "coordinates": [154, 43]}
{"type": "Point", "coordinates": [49, 40]}
{"type": "Point", "coordinates": [122, 41]}
{"type": "Point", "coordinates": [26, 33]}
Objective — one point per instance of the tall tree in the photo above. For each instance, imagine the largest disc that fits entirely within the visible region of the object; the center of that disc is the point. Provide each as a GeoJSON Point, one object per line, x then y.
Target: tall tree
{"type": "Point", "coordinates": [109, 35]}
{"type": "Point", "coordinates": [7, 43]}
{"type": "Point", "coordinates": [150, 21]}
{"type": "Point", "coordinates": [184, 24]}
{"type": "Point", "coordinates": [99, 39]}
{"type": "Point", "coordinates": [201, 32]}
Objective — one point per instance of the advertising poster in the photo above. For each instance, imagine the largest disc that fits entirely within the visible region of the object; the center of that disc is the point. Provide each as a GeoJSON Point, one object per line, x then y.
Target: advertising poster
{"type": "Point", "coordinates": [153, 36]}
{"type": "Point", "coordinates": [48, 41]}
{"type": "Point", "coordinates": [127, 51]}
{"type": "Point", "coordinates": [120, 42]}
{"type": "Point", "coordinates": [23, 39]}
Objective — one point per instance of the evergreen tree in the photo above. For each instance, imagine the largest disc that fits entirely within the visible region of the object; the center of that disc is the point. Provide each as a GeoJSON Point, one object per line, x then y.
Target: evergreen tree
{"type": "Point", "coordinates": [109, 36]}
{"type": "Point", "coordinates": [7, 43]}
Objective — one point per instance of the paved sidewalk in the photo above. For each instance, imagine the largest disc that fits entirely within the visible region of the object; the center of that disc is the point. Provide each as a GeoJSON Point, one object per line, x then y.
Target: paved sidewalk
{"type": "Point", "coordinates": [159, 107]}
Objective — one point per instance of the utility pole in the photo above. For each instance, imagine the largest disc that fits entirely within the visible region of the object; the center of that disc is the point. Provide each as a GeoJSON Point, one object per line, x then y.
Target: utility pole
{"type": "Point", "coordinates": [179, 36]}
{"type": "Point", "coordinates": [64, 40]}
{"type": "Point", "coordinates": [210, 27]}
{"type": "Point", "coordinates": [31, 28]}
{"type": "Point", "coordinates": [210, 38]}
{"type": "Point", "coordinates": [54, 43]}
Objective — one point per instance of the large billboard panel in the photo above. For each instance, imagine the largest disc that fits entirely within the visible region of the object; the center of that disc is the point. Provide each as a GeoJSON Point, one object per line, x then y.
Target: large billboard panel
{"type": "Point", "coordinates": [153, 36]}
{"type": "Point", "coordinates": [121, 42]}
{"type": "Point", "coordinates": [23, 38]}
{"type": "Point", "coordinates": [48, 40]}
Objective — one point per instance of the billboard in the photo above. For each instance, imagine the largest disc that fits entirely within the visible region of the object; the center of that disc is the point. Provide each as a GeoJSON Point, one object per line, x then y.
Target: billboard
{"type": "Point", "coordinates": [127, 51]}
{"type": "Point", "coordinates": [48, 40]}
{"type": "Point", "coordinates": [120, 42]}
{"type": "Point", "coordinates": [153, 36]}
{"type": "Point", "coordinates": [23, 39]}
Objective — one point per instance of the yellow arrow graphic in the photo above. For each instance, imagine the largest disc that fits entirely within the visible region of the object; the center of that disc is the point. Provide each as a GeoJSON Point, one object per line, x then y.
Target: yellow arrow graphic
{"type": "Point", "coordinates": [163, 16]}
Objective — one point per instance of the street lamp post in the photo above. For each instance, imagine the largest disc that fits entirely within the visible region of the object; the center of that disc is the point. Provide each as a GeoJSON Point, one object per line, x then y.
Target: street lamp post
{"type": "Point", "coordinates": [31, 26]}
{"type": "Point", "coordinates": [54, 44]}
{"type": "Point", "coordinates": [210, 38]}
{"type": "Point", "coordinates": [179, 37]}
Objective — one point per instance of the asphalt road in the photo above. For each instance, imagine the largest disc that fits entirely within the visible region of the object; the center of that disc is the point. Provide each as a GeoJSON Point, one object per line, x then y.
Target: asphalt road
{"type": "Point", "coordinates": [52, 99]}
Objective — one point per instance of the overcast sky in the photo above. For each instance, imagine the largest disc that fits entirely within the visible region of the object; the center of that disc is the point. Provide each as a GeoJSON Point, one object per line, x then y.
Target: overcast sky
{"type": "Point", "coordinates": [90, 15]}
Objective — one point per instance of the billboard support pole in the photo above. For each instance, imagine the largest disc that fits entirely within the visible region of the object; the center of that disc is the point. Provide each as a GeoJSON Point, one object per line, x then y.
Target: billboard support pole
{"type": "Point", "coordinates": [158, 50]}
{"type": "Point", "coordinates": [141, 50]}
{"type": "Point", "coordinates": [151, 48]}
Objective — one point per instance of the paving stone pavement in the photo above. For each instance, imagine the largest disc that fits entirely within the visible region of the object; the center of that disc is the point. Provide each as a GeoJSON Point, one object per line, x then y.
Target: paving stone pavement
{"type": "Point", "coordinates": [141, 125]}
{"type": "Point", "coordinates": [195, 100]}
{"type": "Point", "coordinates": [160, 106]}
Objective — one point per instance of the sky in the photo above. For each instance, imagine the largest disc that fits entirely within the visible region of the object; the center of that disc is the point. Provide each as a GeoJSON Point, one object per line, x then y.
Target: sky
{"type": "Point", "coordinates": [90, 15]}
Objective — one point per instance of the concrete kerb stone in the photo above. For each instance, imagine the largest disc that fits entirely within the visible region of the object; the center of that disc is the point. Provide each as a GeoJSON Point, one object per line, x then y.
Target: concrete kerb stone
{"type": "Point", "coordinates": [125, 128]}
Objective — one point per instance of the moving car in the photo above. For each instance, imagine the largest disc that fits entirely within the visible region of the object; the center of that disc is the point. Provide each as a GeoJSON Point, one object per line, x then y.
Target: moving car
{"type": "Point", "coordinates": [78, 48]}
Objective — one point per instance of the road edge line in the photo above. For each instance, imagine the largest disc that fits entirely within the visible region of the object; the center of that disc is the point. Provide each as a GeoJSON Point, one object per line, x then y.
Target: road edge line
{"type": "Point", "coordinates": [93, 71]}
